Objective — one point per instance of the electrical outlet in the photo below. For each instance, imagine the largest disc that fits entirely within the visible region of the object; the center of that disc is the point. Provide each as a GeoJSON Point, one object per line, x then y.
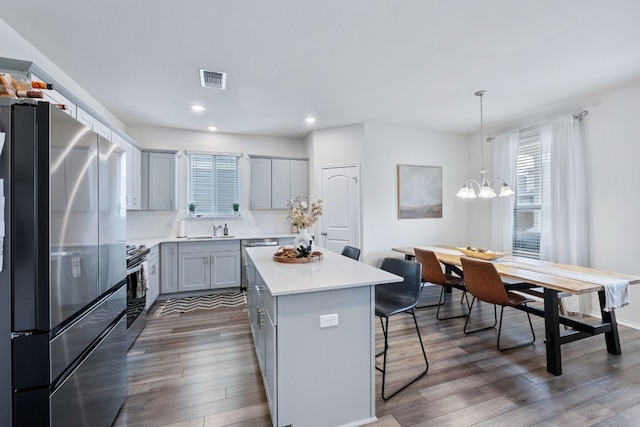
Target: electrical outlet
{"type": "Point", "coordinates": [329, 320]}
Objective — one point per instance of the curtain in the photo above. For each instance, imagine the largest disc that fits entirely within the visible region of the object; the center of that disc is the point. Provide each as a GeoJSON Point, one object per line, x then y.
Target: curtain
{"type": "Point", "coordinates": [564, 236]}
{"type": "Point", "coordinates": [505, 160]}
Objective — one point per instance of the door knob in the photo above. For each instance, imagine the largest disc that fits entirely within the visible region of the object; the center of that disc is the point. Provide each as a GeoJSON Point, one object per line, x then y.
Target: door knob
{"type": "Point", "coordinates": [323, 233]}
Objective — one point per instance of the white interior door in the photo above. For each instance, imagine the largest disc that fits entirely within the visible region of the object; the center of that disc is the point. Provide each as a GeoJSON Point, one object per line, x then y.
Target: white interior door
{"type": "Point", "coordinates": [341, 207]}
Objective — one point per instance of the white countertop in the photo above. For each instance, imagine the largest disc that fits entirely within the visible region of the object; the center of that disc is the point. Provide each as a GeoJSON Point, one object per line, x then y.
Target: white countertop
{"type": "Point", "coordinates": [151, 242]}
{"type": "Point", "coordinates": [335, 271]}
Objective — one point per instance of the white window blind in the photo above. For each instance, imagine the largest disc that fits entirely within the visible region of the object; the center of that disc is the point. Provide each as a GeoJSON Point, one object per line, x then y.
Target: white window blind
{"type": "Point", "coordinates": [213, 183]}
{"type": "Point", "coordinates": [529, 187]}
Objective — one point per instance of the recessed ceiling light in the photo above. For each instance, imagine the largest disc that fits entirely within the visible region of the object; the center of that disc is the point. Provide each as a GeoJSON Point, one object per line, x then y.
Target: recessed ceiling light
{"type": "Point", "coordinates": [197, 108]}
{"type": "Point", "coordinates": [310, 120]}
{"type": "Point", "coordinates": [212, 128]}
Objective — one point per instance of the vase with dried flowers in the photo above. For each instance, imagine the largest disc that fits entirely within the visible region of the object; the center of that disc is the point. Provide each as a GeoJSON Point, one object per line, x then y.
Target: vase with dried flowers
{"type": "Point", "coordinates": [303, 215]}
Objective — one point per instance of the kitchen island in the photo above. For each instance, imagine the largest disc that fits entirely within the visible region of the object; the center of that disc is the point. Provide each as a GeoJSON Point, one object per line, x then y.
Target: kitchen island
{"type": "Point", "coordinates": [314, 333]}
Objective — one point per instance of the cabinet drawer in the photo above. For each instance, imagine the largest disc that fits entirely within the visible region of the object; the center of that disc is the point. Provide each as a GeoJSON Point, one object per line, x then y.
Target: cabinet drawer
{"type": "Point", "coordinates": [209, 246]}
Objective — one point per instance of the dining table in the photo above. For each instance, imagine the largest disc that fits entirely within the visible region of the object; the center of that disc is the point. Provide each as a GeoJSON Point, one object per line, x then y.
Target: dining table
{"type": "Point", "coordinates": [551, 281]}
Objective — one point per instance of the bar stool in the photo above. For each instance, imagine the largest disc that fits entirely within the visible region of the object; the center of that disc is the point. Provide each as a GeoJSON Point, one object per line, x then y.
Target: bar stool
{"type": "Point", "coordinates": [396, 298]}
{"type": "Point", "coordinates": [351, 252]}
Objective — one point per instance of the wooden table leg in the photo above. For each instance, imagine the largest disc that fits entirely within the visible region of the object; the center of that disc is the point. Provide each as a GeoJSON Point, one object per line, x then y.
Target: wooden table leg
{"type": "Point", "coordinates": [611, 338]}
{"type": "Point", "coordinates": [552, 332]}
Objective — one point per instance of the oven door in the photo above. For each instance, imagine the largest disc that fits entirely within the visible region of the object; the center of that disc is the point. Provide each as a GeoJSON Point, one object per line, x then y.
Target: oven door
{"type": "Point", "coordinates": [136, 301]}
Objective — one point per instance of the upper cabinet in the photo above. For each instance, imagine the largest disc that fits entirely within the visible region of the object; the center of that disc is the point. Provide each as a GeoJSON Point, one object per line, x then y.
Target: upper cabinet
{"type": "Point", "coordinates": [260, 185]}
{"type": "Point", "coordinates": [134, 199]}
{"type": "Point", "coordinates": [159, 180]}
{"type": "Point", "coordinates": [274, 181]}
{"type": "Point", "coordinates": [299, 178]}
{"type": "Point", "coordinates": [85, 118]}
{"type": "Point", "coordinates": [280, 183]}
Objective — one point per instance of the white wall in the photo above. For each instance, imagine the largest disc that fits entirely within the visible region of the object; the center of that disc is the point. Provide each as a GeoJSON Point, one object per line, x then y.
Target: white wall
{"type": "Point", "coordinates": [333, 147]}
{"type": "Point", "coordinates": [385, 148]}
{"type": "Point", "coordinates": [14, 46]}
{"type": "Point", "coordinates": [379, 149]}
{"type": "Point", "coordinates": [612, 135]}
{"type": "Point", "coordinates": [164, 223]}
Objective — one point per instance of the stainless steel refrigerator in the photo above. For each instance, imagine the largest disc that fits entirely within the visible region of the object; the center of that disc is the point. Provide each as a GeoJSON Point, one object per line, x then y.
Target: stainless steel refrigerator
{"type": "Point", "coordinates": [62, 284]}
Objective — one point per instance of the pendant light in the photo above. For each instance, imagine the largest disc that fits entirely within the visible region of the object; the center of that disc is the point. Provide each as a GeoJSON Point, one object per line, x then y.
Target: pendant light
{"type": "Point", "coordinates": [484, 189]}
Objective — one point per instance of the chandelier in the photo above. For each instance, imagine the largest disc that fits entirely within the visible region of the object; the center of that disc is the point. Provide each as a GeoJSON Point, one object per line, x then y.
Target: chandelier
{"type": "Point", "coordinates": [484, 189]}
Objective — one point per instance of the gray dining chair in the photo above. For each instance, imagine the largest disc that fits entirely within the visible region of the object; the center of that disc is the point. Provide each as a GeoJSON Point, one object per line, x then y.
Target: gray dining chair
{"type": "Point", "coordinates": [351, 252]}
{"type": "Point", "coordinates": [397, 298]}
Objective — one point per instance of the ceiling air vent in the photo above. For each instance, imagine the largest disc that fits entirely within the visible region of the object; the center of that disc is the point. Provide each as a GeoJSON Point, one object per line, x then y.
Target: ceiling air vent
{"type": "Point", "coordinates": [213, 79]}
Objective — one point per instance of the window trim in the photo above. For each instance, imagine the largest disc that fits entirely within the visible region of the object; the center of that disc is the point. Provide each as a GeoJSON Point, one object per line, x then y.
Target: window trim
{"type": "Point", "coordinates": [527, 137]}
{"type": "Point", "coordinates": [217, 212]}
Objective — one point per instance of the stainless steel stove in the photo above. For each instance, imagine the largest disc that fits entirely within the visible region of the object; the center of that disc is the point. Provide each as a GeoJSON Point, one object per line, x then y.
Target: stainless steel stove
{"type": "Point", "coordinates": [136, 292]}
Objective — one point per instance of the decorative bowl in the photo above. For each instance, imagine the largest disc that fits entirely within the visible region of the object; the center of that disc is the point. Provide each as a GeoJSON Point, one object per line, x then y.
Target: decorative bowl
{"type": "Point", "coordinates": [486, 255]}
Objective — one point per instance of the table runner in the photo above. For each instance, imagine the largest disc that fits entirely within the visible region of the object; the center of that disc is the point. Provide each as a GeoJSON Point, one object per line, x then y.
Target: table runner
{"type": "Point", "coordinates": [616, 290]}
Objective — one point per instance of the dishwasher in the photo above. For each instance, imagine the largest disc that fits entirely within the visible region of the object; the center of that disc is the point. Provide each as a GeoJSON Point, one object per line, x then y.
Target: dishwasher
{"type": "Point", "coordinates": [251, 243]}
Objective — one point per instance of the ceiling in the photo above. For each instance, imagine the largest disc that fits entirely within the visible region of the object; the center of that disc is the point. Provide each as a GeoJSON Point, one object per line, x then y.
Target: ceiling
{"type": "Point", "coordinates": [411, 63]}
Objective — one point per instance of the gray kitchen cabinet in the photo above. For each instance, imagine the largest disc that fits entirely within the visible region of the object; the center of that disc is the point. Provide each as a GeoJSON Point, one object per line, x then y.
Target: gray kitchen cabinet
{"type": "Point", "coordinates": [159, 177]}
{"type": "Point", "coordinates": [85, 118]}
{"type": "Point", "coordinates": [263, 327]}
{"type": "Point", "coordinates": [299, 178]}
{"type": "Point", "coordinates": [168, 268]}
{"type": "Point", "coordinates": [225, 269]}
{"type": "Point", "coordinates": [260, 184]}
{"type": "Point", "coordinates": [194, 270]}
{"type": "Point", "coordinates": [280, 183]}
{"type": "Point", "coordinates": [208, 265]}
{"type": "Point", "coordinates": [274, 181]}
{"type": "Point", "coordinates": [289, 178]}
{"type": "Point", "coordinates": [153, 276]}
{"type": "Point", "coordinates": [262, 314]}
{"type": "Point", "coordinates": [134, 160]}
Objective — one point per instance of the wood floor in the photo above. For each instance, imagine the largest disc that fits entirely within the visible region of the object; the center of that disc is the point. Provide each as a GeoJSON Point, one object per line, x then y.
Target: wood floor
{"type": "Point", "coordinates": [199, 369]}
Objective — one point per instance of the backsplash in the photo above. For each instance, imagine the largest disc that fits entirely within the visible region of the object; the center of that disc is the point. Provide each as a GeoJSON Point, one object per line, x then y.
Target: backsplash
{"type": "Point", "coordinates": [162, 224]}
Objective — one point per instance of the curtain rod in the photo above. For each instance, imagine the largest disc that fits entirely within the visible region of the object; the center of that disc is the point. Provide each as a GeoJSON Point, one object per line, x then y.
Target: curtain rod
{"type": "Point", "coordinates": [578, 116]}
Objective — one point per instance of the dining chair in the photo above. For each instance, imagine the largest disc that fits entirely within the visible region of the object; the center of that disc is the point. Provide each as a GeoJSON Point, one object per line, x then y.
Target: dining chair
{"type": "Point", "coordinates": [484, 283]}
{"type": "Point", "coordinates": [351, 252]}
{"type": "Point", "coordinates": [396, 298]}
{"type": "Point", "coordinates": [432, 273]}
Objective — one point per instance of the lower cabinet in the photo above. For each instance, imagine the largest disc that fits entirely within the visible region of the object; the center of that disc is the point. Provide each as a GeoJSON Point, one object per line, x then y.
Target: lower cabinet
{"type": "Point", "coordinates": [153, 276]}
{"type": "Point", "coordinates": [262, 315]}
{"type": "Point", "coordinates": [208, 265]}
{"type": "Point", "coordinates": [309, 372]}
{"type": "Point", "coordinates": [169, 268]}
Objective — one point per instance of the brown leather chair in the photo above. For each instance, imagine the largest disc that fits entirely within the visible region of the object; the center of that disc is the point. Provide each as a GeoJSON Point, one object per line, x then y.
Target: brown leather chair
{"type": "Point", "coordinates": [432, 273]}
{"type": "Point", "coordinates": [484, 283]}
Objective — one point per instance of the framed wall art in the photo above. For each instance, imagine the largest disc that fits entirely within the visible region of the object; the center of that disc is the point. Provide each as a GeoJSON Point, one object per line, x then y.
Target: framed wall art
{"type": "Point", "coordinates": [419, 191]}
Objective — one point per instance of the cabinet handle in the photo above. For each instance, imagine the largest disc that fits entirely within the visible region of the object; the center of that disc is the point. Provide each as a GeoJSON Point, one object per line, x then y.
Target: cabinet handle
{"type": "Point", "coordinates": [260, 318]}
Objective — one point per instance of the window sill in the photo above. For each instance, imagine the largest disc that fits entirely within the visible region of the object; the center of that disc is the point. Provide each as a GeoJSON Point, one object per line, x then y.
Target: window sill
{"type": "Point", "coordinates": [212, 216]}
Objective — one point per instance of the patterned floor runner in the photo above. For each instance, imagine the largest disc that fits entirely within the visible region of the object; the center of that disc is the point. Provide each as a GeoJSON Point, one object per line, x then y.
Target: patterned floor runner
{"type": "Point", "coordinates": [205, 302]}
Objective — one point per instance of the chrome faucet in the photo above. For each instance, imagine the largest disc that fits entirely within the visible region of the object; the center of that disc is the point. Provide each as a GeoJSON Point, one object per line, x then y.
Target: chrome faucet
{"type": "Point", "coordinates": [215, 229]}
